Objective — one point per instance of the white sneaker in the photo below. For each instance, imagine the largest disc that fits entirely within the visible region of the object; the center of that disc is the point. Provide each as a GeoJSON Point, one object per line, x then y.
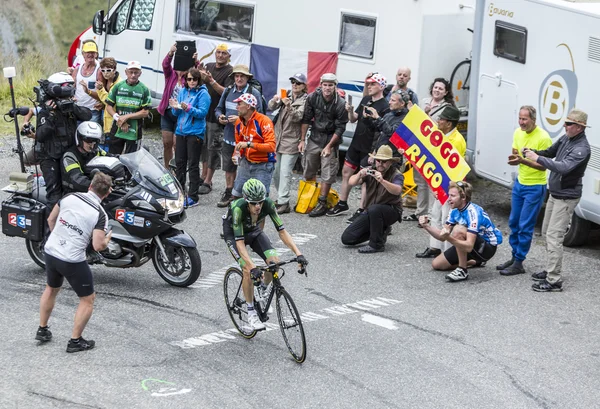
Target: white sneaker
{"type": "Point", "coordinates": [255, 322]}
{"type": "Point", "coordinates": [458, 274]}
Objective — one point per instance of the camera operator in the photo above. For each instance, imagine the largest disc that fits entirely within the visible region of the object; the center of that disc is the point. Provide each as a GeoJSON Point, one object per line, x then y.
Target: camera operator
{"type": "Point", "coordinates": [56, 127]}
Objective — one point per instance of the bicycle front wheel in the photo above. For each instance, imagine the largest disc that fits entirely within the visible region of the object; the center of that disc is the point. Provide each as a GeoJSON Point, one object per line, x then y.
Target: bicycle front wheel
{"type": "Point", "coordinates": [460, 82]}
{"type": "Point", "coordinates": [291, 326]}
{"type": "Point", "coordinates": [236, 303]}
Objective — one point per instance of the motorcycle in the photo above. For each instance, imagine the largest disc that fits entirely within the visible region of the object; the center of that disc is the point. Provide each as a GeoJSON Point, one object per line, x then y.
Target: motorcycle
{"type": "Point", "coordinates": [143, 209]}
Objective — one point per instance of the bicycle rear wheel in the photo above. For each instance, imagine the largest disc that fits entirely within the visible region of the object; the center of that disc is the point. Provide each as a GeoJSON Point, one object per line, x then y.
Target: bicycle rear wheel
{"type": "Point", "coordinates": [236, 303]}
{"type": "Point", "coordinates": [460, 82]}
{"type": "Point", "coordinates": [291, 326]}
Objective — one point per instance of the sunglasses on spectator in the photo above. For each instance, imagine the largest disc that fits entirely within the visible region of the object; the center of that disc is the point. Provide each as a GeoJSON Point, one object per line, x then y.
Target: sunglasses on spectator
{"type": "Point", "coordinates": [191, 79]}
{"type": "Point", "coordinates": [569, 123]}
{"type": "Point", "coordinates": [296, 82]}
{"type": "Point", "coordinates": [380, 160]}
{"type": "Point", "coordinates": [90, 140]}
{"type": "Point", "coordinates": [259, 203]}
{"type": "Point", "coordinates": [107, 69]}
{"type": "Point", "coordinates": [461, 185]}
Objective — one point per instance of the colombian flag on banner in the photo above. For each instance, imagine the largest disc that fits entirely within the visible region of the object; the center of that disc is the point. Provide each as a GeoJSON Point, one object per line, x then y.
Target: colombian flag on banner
{"type": "Point", "coordinates": [430, 152]}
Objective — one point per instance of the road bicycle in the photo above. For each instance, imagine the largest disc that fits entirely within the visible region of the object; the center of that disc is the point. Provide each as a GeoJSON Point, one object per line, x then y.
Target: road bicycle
{"type": "Point", "coordinates": [287, 313]}
{"type": "Point", "coordinates": [461, 84]}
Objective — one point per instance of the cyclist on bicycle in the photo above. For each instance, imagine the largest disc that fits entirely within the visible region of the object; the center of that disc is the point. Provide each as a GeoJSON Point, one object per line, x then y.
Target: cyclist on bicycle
{"type": "Point", "coordinates": [242, 226]}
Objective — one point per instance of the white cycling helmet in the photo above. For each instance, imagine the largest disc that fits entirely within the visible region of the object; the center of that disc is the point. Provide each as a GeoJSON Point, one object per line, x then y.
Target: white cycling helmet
{"type": "Point", "coordinates": [88, 131]}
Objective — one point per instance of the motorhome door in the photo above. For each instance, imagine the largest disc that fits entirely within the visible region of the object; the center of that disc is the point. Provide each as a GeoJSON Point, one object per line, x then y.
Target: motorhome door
{"type": "Point", "coordinates": [497, 119]}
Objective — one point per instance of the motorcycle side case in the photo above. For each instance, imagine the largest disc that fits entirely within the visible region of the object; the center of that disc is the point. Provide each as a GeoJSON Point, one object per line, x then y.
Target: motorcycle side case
{"type": "Point", "coordinates": [23, 217]}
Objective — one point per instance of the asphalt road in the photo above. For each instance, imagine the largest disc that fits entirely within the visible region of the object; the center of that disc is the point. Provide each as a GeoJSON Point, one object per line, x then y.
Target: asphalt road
{"type": "Point", "coordinates": [383, 330]}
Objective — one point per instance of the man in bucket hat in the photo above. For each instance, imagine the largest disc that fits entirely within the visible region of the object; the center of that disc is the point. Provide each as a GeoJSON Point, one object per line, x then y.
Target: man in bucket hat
{"type": "Point", "coordinates": [227, 116]}
{"type": "Point", "coordinates": [383, 202]}
{"type": "Point", "coordinates": [571, 154]}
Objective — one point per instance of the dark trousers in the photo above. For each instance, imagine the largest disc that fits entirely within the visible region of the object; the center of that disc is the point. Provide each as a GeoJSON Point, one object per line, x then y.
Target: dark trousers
{"type": "Point", "coordinates": [371, 225]}
{"type": "Point", "coordinates": [120, 145]}
{"type": "Point", "coordinates": [51, 172]}
{"type": "Point", "coordinates": [187, 159]}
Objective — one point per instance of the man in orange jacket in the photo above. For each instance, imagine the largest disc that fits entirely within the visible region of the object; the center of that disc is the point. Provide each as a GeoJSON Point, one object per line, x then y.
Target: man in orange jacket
{"type": "Point", "coordinates": [255, 145]}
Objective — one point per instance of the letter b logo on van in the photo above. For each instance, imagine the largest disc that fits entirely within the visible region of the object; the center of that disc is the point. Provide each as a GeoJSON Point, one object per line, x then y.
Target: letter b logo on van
{"type": "Point", "coordinates": [557, 98]}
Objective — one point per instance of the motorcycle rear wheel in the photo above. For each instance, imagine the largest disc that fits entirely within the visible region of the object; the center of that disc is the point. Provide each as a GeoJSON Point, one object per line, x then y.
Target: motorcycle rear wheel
{"type": "Point", "coordinates": [182, 267]}
{"type": "Point", "coordinates": [34, 248]}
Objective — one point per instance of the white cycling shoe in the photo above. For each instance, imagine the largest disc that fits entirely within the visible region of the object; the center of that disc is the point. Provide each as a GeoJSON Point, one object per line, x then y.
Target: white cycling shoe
{"type": "Point", "coordinates": [255, 323]}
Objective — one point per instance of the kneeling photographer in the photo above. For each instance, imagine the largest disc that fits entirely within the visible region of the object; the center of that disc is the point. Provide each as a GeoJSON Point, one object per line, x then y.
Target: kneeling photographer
{"type": "Point", "coordinates": [56, 126]}
{"type": "Point", "coordinates": [383, 202]}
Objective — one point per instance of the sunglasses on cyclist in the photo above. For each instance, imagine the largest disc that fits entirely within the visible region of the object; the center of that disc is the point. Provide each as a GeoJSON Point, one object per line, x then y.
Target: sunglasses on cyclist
{"type": "Point", "coordinates": [107, 69]}
{"type": "Point", "coordinates": [259, 203]}
{"type": "Point", "coordinates": [90, 140]}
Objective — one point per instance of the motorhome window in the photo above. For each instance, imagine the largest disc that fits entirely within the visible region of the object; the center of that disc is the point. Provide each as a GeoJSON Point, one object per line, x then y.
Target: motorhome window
{"type": "Point", "coordinates": [141, 15]}
{"type": "Point", "coordinates": [357, 36]}
{"type": "Point", "coordinates": [217, 19]}
{"type": "Point", "coordinates": [510, 42]}
{"type": "Point", "coordinates": [118, 20]}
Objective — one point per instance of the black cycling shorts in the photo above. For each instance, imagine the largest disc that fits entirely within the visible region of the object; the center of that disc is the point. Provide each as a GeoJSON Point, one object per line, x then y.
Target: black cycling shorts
{"type": "Point", "coordinates": [257, 240]}
{"type": "Point", "coordinates": [482, 252]}
{"type": "Point", "coordinates": [78, 275]}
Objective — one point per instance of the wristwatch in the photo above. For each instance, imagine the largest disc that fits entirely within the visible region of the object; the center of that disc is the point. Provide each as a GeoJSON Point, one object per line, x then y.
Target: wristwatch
{"type": "Point", "coordinates": [248, 144]}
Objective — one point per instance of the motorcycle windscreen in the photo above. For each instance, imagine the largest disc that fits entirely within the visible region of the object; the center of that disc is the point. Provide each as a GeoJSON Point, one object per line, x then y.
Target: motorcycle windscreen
{"type": "Point", "coordinates": [151, 174]}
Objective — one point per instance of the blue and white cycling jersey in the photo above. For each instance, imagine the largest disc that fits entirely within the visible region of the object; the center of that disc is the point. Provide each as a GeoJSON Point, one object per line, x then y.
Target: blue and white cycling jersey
{"type": "Point", "coordinates": [477, 221]}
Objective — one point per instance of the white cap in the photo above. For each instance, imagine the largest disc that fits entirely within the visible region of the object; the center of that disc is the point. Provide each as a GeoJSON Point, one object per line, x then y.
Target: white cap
{"type": "Point", "coordinates": [329, 77]}
{"type": "Point", "coordinates": [134, 64]}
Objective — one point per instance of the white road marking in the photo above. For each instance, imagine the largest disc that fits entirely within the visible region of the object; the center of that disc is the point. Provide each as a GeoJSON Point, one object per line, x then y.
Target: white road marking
{"type": "Point", "coordinates": [333, 312]}
{"type": "Point", "coordinates": [382, 322]}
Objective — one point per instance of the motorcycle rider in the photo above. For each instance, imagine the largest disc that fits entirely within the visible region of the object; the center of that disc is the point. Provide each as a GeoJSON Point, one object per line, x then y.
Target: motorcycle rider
{"type": "Point", "coordinates": [87, 138]}
{"type": "Point", "coordinates": [56, 126]}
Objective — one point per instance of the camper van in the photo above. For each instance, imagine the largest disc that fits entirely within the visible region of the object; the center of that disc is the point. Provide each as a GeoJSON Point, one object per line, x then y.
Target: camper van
{"type": "Point", "coordinates": [544, 53]}
{"type": "Point", "coordinates": [429, 36]}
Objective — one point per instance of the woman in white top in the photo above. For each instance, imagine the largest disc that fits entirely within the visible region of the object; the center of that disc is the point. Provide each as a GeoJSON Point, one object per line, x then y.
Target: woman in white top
{"type": "Point", "coordinates": [85, 77]}
{"type": "Point", "coordinates": [441, 96]}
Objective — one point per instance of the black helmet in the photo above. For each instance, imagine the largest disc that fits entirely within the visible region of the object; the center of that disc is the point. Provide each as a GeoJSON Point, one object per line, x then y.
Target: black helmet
{"type": "Point", "coordinates": [88, 131]}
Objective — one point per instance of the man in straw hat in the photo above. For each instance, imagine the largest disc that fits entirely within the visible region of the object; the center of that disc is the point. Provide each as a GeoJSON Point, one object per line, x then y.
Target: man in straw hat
{"type": "Point", "coordinates": [571, 154]}
{"type": "Point", "coordinates": [227, 115]}
{"type": "Point", "coordinates": [383, 202]}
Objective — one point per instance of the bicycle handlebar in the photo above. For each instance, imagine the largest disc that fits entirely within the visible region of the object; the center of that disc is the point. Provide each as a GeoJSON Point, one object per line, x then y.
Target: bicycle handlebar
{"type": "Point", "coordinates": [273, 266]}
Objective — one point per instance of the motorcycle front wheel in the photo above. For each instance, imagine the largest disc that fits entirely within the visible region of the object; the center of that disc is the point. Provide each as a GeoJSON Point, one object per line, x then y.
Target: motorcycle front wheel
{"type": "Point", "coordinates": [182, 266]}
{"type": "Point", "coordinates": [36, 252]}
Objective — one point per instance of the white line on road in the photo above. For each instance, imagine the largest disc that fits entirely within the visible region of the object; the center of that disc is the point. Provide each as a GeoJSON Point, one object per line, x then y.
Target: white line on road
{"type": "Point", "coordinates": [382, 322]}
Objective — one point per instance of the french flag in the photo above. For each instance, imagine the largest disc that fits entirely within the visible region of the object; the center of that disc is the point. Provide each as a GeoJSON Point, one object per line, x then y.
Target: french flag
{"type": "Point", "coordinates": [273, 67]}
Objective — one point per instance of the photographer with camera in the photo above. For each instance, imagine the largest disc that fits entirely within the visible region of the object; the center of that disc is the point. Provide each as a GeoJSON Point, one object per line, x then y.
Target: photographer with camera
{"type": "Point", "coordinates": [383, 202]}
{"type": "Point", "coordinates": [56, 126]}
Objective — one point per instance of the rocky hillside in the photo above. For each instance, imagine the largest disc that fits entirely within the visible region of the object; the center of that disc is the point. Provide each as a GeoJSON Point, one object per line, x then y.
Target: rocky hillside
{"type": "Point", "coordinates": [44, 26]}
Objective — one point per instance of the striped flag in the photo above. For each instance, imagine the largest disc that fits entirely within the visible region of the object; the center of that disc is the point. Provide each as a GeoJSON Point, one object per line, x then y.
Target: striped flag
{"type": "Point", "coordinates": [274, 66]}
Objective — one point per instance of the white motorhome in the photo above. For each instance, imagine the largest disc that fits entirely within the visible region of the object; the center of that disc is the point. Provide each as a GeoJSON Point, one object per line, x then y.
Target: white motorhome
{"type": "Point", "coordinates": [429, 36]}
{"type": "Point", "coordinates": [544, 53]}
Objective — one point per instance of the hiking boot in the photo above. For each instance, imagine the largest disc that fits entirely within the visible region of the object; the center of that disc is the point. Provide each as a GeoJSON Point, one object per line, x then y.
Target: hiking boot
{"type": "Point", "coordinates": [339, 209]}
{"type": "Point", "coordinates": [283, 208]}
{"type": "Point", "coordinates": [429, 253]}
{"type": "Point", "coordinates": [43, 334]}
{"type": "Point", "coordinates": [189, 202]}
{"type": "Point", "coordinates": [319, 211]}
{"type": "Point", "coordinates": [357, 213]}
{"type": "Point", "coordinates": [255, 322]}
{"type": "Point", "coordinates": [368, 249]}
{"type": "Point", "coordinates": [80, 345]}
{"type": "Point", "coordinates": [205, 189]}
{"type": "Point", "coordinates": [505, 265]}
{"type": "Point", "coordinates": [541, 276]}
{"type": "Point", "coordinates": [512, 271]}
{"type": "Point", "coordinates": [225, 199]}
{"type": "Point", "coordinates": [459, 274]}
{"type": "Point", "coordinates": [546, 287]}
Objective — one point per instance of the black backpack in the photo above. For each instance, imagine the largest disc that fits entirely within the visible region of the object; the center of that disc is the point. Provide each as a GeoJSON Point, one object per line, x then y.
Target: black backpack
{"type": "Point", "coordinates": [253, 83]}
